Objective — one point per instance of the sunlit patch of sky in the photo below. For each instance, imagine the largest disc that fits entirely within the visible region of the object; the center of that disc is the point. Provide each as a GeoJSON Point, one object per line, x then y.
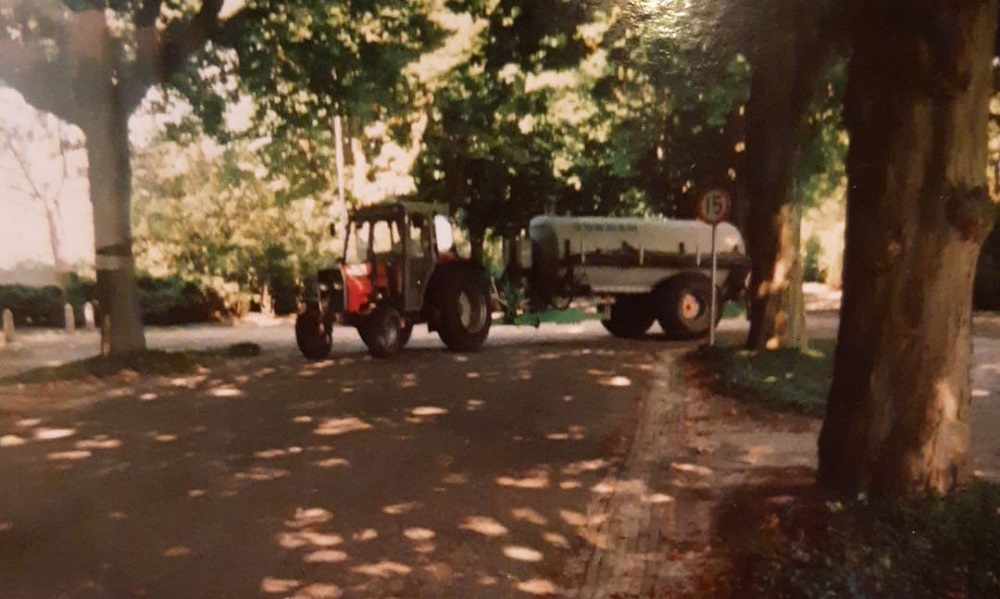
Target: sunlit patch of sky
{"type": "Point", "coordinates": [24, 235]}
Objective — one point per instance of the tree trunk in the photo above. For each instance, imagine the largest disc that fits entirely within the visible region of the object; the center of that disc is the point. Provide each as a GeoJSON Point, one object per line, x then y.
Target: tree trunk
{"type": "Point", "coordinates": [105, 125]}
{"type": "Point", "coordinates": [786, 66]}
{"type": "Point", "coordinates": [477, 239]}
{"type": "Point", "coordinates": [897, 420]}
{"type": "Point", "coordinates": [110, 174]}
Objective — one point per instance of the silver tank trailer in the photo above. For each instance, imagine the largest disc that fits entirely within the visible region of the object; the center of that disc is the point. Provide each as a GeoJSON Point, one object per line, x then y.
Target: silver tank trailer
{"type": "Point", "coordinates": [615, 256]}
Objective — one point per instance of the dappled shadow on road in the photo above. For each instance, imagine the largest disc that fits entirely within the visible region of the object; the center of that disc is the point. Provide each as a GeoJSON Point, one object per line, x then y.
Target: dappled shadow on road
{"type": "Point", "coordinates": [433, 475]}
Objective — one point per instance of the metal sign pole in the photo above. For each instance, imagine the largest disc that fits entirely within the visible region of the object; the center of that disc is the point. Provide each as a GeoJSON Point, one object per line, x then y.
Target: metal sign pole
{"type": "Point", "coordinates": [711, 329]}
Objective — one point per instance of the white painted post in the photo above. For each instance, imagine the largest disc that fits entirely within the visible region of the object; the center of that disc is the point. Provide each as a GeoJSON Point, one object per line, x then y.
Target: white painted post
{"type": "Point", "coordinates": [88, 316]}
{"type": "Point", "coordinates": [713, 207]}
{"type": "Point", "coordinates": [69, 319]}
{"type": "Point", "coordinates": [8, 326]}
{"type": "Point", "coordinates": [715, 255]}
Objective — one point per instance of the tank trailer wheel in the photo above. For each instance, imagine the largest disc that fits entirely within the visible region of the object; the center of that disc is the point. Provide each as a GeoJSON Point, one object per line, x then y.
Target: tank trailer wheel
{"type": "Point", "coordinates": [631, 316]}
{"type": "Point", "coordinates": [684, 304]}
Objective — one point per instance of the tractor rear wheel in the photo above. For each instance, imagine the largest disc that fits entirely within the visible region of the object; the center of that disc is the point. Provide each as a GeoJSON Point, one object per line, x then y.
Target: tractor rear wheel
{"type": "Point", "coordinates": [465, 312]}
{"type": "Point", "coordinates": [382, 331]}
{"type": "Point", "coordinates": [313, 337]}
{"type": "Point", "coordinates": [631, 316]}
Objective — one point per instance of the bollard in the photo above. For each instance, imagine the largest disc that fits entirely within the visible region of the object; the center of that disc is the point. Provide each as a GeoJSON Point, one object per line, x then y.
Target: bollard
{"type": "Point", "coordinates": [8, 326]}
{"type": "Point", "coordinates": [106, 335]}
{"type": "Point", "coordinates": [88, 316]}
{"type": "Point", "coordinates": [69, 319]}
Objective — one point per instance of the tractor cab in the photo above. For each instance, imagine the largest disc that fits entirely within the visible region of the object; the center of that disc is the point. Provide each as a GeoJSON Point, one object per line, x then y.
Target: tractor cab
{"type": "Point", "coordinates": [399, 268]}
{"type": "Point", "coordinates": [390, 253]}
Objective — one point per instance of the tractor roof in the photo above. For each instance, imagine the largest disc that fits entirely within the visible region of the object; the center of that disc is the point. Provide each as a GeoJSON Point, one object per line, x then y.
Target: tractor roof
{"type": "Point", "coordinates": [393, 208]}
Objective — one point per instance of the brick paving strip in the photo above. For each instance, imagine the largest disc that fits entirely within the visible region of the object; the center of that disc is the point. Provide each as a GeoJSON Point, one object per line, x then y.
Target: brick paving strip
{"type": "Point", "coordinates": [632, 526]}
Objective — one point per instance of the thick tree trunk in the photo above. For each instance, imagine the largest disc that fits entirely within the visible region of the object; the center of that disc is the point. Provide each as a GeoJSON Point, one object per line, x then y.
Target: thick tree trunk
{"type": "Point", "coordinates": [786, 65]}
{"type": "Point", "coordinates": [110, 175]}
{"type": "Point", "coordinates": [897, 420]}
{"type": "Point", "coordinates": [105, 125]}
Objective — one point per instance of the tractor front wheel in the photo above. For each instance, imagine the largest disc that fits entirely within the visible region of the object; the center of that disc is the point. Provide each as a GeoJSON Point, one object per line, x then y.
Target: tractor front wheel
{"type": "Point", "coordinates": [382, 331]}
{"type": "Point", "coordinates": [314, 338]}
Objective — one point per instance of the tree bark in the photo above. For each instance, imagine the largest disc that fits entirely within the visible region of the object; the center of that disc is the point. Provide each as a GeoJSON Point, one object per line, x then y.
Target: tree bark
{"type": "Point", "coordinates": [105, 125]}
{"type": "Point", "coordinates": [897, 421]}
{"type": "Point", "coordinates": [110, 177]}
{"type": "Point", "coordinates": [786, 66]}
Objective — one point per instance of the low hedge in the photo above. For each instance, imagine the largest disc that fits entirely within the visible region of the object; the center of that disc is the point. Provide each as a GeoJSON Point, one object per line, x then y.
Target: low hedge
{"type": "Point", "coordinates": [164, 301]}
{"type": "Point", "coordinates": [173, 300]}
{"type": "Point", "coordinates": [33, 306]}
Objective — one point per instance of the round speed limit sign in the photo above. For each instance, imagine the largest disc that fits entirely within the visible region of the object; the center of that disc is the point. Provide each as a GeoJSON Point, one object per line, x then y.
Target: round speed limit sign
{"type": "Point", "coordinates": [713, 206]}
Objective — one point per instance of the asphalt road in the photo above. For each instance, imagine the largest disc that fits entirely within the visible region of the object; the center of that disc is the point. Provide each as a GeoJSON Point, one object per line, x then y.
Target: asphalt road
{"type": "Point", "coordinates": [432, 475]}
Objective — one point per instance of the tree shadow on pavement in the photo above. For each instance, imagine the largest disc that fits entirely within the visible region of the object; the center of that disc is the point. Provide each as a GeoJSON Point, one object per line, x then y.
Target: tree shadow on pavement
{"type": "Point", "coordinates": [434, 475]}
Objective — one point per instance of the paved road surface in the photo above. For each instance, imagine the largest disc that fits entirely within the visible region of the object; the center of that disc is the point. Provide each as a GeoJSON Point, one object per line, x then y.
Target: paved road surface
{"type": "Point", "coordinates": [434, 475]}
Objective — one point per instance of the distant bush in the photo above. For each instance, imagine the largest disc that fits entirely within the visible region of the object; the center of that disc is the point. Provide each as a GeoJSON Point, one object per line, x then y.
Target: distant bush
{"type": "Point", "coordinates": [173, 300]}
{"type": "Point", "coordinates": [812, 270]}
{"type": "Point", "coordinates": [33, 306]}
{"type": "Point", "coordinates": [164, 301]}
{"type": "Point", "coordinates": [280, 277]}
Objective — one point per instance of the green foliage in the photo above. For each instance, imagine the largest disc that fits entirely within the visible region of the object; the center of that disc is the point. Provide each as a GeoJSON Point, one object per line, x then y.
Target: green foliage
{"type": "Point", "coordinates": [671, 113]}
{"type": "Point", "coordinates": [580, 109]}
{"type": "Point", "coordinates": [173, 300]}
{"type": "Point", "coordinates": [930, 548]}
{"type": "Point", "coordinates": [811, 268]}
{"type": "Point", "coordinates": [490, 142]}
{"type": "Point", "coordinates": [236, 238]}
{"type": "Point", "coordinates": [33, 306]}
{"type": "Point", "coordinates": [784, 379]}
{"type": "Point", "coordinates": [303, 63]}
{"type": "Point", "coordinates": [823, 147]}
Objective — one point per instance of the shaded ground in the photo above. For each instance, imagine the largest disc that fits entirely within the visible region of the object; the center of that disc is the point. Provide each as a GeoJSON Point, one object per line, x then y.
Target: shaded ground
{"type": "Point", "coordinates": [517, 471]}
{"type": "Point", "coordinates": [435, 475]}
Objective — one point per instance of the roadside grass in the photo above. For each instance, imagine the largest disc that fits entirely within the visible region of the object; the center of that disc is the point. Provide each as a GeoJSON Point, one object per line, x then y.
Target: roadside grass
{"type": "Point", "coordinates": [534, 319]}
{"type": "Point", "coordinates": [815, 546]}
{"type": "Point", "coordinates": [148, 363]}
{"type": "Point", "coordinates": [927, 548]}
{"type": "Point", "coordinates": [784, 380]}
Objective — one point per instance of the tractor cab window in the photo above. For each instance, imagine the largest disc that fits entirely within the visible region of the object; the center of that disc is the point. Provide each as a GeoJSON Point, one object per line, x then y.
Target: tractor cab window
{"type": "Point", "coordinates": [358, 239]}
{"type": "Point", "coordinates": [385, 237]}
{"type": "Point", "coordinates": [418, 240]}
{"type": "Point", "coordinates": [444, 234]}
{"type": "Point", "coordinates": [379, 237]}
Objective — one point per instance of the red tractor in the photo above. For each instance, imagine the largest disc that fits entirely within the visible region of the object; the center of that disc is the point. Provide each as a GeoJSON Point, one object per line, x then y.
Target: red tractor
{"type": "Point", "coordinates": [399, 269]}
